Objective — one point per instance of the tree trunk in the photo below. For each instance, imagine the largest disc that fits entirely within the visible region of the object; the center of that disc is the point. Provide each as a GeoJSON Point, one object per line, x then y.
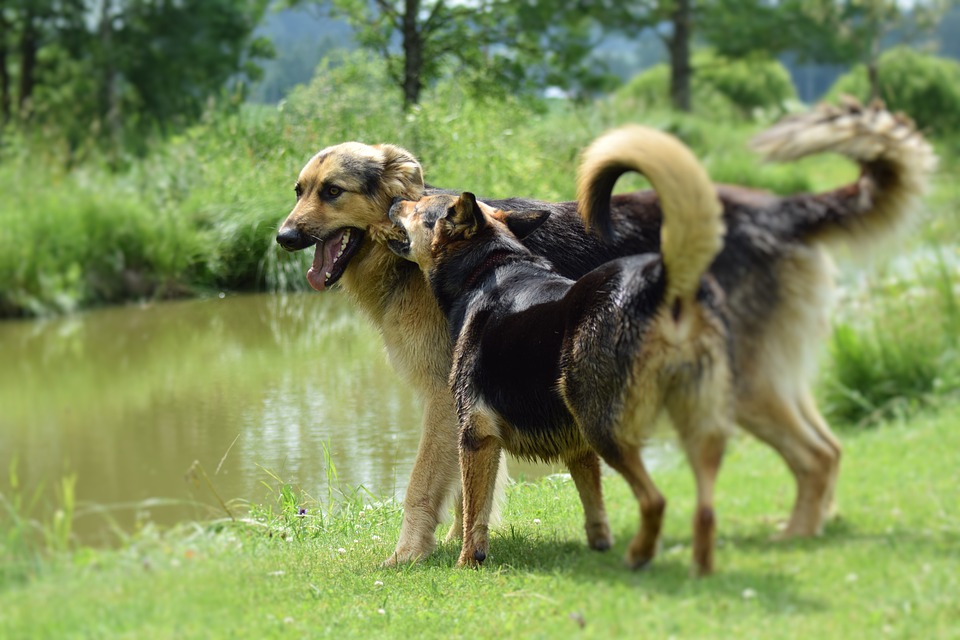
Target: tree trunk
{"type": "Point", "coordinates": [109, 100]}
{"type": "Point", "coordinates": [679, 46]}
{"type": "Point", "coordinates": [4, 77]}
{"type": "Point", "coordinates": [412, 54]}
{"type": "Point", "coordinates": [873, 68]}
{"type": "Point", "coordinates": [28, 64]}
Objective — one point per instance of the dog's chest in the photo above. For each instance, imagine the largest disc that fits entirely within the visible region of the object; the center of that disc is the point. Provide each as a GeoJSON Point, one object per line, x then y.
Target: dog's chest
{"type": "Point", "coordinates": [511, 364]}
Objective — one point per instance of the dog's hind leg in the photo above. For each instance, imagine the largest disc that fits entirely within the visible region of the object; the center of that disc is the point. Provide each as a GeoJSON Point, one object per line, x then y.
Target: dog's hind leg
{"type": "Point", "coordinates": [479, 462]}
{"type": "Point", "coordinates": [643, 546]}
{"type": "Point", "coordinates": [780, 423]}
{"type": "Point", "coordinates": [431, 481]}
{"type": "Point", "coordinates": [704, 451]}
{"type": "Point", "coordinates": [585, 471]}
{"type": "Point", "coordinates": [808, 409]}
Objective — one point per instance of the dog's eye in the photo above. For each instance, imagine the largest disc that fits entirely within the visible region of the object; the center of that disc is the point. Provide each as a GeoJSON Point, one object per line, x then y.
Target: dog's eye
{"type": "Point", "coordinates": [333, 191]}
{"type": "Point", "coordinates": [297, 189]}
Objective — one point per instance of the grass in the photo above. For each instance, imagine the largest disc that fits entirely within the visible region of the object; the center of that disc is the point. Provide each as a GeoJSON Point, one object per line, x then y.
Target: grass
{"type": "Point", "coordinates": [887, 567]}
{"type": "Point", "coordinates": [199, 212]}
{"type": "Point", "coordinates": [896, 346]}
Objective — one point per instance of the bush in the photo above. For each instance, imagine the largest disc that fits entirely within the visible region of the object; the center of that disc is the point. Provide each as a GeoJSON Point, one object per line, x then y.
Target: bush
{"type": "Point", "coordinates": [924, 86]}
{"type": "Point", "coordinates": [721, 87]}
{"type": "Point", "coordinates": [749, 83]}
{"type": "Point", "coordinates": [889, 358]}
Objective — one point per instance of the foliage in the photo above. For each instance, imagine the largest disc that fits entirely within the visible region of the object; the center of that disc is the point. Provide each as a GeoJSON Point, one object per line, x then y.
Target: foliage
{"type": "Point", "coordinates": [749, 83]}
{"type": "Point", "coordinates": [823, 31]}
{"type": "Point", "coordinates": [924, 86]}
{"type": "Point", "coordinates": [201, 210]}
{"type": "Point", "coordinates": [894, 358]}
{"type": "Point", "coordinates": [110, 72]}
{"type": "Point", "coordinates": [498, 47]}
{"type": "Point", "coordinates": [722, 87]}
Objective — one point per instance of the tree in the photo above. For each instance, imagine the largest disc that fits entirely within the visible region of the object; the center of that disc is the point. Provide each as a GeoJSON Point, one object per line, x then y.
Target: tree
{"type": "Point", "coordinates": [823, 31]}
{"type": "Point", "coordinates": [501, 45]}
{"type": "Point", "coordinates": [86, 67]}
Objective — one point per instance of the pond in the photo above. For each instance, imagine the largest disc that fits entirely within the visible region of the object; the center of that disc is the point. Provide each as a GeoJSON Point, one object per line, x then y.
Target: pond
{"type": "Point", "coordinates": [250, 387]}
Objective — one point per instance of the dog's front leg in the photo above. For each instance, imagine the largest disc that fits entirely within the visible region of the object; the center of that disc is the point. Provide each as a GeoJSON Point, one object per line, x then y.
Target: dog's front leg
{"type": "Point", "coordinates": [479, 462]}
{"type": "Point", "coordinates": [431, 481]}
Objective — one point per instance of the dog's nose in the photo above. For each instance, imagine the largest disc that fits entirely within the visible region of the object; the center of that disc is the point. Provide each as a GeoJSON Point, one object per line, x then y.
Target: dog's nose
{"type": "Point", "coordinates": [291, 239]}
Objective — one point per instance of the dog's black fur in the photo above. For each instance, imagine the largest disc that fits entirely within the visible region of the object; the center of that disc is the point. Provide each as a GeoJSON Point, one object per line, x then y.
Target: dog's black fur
{"type": "Point", "coordinates": [551, 368]}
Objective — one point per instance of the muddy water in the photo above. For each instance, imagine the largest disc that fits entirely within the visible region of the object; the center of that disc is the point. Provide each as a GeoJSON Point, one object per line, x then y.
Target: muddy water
{"type": "Point", "coordinates": [128, 398]}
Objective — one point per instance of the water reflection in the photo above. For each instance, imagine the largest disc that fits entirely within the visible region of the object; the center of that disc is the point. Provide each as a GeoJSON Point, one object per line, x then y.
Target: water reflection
{"type": "Point", "coordinates": [127, 398]}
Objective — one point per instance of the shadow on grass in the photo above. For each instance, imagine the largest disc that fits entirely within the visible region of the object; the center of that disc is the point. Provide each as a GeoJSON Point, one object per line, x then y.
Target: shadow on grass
{"type": "Point", "coordinates": [840, 533]}
{"type": "Point", "coordinates": [668, 575]}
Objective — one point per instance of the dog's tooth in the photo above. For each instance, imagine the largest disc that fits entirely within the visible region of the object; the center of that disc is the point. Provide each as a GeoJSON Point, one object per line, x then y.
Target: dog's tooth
{"type": "Point", "coordinates": [328, 274]}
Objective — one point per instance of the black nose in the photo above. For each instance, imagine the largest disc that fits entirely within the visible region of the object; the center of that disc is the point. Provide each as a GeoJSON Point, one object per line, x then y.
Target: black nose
{"type": "Point", "coordinates": [291, 239]}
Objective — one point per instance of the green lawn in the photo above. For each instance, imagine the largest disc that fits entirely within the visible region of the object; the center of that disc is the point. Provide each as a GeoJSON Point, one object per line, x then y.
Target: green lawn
{"type": "Point", "coordinates": [888, 566]}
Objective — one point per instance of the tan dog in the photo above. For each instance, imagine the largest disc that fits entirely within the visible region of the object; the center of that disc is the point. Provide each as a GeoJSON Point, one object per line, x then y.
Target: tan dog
{"type": "Point", "coordinates": [778, 287]}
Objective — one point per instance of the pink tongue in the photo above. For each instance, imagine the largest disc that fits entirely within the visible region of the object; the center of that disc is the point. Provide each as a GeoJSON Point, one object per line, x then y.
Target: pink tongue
{"type": "Point", "coordinates": [323, 260]}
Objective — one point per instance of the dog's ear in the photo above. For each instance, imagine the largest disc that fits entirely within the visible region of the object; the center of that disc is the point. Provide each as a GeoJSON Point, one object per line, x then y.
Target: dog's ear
{"type": "Point", "coordinates": [465, 215]}
{"type": "Point", "coordinates": [523, 223]}
{"type": "Point", "coordinates": [402, 174]}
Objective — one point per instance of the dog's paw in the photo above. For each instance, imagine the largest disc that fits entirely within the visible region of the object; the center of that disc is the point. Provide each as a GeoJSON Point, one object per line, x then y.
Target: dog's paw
{"type": "Point", "coordinates": [701, 570]}
{"type": "Point", "coordinates": [599, 537]}
{"type": "Point", "coordinates": [637, 563]}
{"type": "Point", "coordinates": [407, 553]}
{"type": "Point", "coordinates": [472, 560]}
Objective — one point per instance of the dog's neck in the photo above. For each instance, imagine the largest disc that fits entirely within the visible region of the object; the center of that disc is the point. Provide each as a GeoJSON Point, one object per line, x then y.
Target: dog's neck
{"type": "Point", "coordinates": [375, 276]}
{"type": "Point", "coordinates": [494, 259]}
{"type": "Point", "coordinates": [458, 279]}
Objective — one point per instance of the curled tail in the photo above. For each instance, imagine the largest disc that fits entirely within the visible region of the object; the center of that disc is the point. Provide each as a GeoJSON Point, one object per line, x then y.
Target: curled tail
{"type": "Point", "coordinates": [692, 231]}
{"type": "Point", "coordinates": [895, 160]}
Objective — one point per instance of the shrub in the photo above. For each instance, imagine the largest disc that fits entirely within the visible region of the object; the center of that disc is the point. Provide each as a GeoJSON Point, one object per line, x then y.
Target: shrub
{"type": "Point", "coordinates": [721, 87]}
{"type": "Point", "coordinates": [924, 86]}
{"type": "Point", "coordinates": [748, 83]}
{"type": "Point", "coordinates": [901, 349]}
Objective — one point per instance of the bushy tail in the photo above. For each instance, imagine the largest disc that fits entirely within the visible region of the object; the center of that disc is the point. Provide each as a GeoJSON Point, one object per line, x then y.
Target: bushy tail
{"type": "Point", "coordinates": [895, 159]}
{"type": "Point", "coordinates": [692, 231]}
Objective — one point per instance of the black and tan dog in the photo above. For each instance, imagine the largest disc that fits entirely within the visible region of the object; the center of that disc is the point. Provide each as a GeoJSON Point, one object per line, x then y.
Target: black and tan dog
{"type": "Point", "coordinates": [552, 368]}
{"type": "Point", "coordinates": [772, 268]}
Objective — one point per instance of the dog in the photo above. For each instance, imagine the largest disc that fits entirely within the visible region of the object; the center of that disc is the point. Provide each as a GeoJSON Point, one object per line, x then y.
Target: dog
{"type": "Point", "coordinates": [553, 368]}
{"type": "Point", "coordinates": [776, 277]}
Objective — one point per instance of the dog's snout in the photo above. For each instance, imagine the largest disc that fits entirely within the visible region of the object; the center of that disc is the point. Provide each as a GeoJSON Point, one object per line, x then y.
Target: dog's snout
{"type": "Point", "coordinates": [291, 239]}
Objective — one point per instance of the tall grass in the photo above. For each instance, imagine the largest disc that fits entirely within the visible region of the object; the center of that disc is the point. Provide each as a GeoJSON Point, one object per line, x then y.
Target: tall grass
{"type": "Point", "coordinates": [26, 537]}
{"type": "Point", "coordinates": [200, 211]}
{"type": "Point", "coordinates": [901, 351]}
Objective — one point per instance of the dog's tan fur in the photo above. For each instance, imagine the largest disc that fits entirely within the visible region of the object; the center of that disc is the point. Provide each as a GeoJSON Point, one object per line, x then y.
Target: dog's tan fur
{"type": "Point", "coordinates": [394, 295]}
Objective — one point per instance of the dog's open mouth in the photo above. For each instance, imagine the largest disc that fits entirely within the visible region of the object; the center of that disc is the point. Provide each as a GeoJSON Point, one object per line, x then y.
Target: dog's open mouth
{"type": "Point", "coordinates": [332, 255]}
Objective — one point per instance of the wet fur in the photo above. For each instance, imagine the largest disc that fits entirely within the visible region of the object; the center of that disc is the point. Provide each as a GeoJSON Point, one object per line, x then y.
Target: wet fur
{"type": "Point", "coordinates": [776, 278]}
{"type": "Point", "coordinates": [550, 368]}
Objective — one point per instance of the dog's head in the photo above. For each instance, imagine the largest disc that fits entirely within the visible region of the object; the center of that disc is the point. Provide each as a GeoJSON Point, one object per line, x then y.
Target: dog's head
{"type": "Point", "coordinates": [343, 194]}
{"type": "Point", "coordinates": [437, 226]}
